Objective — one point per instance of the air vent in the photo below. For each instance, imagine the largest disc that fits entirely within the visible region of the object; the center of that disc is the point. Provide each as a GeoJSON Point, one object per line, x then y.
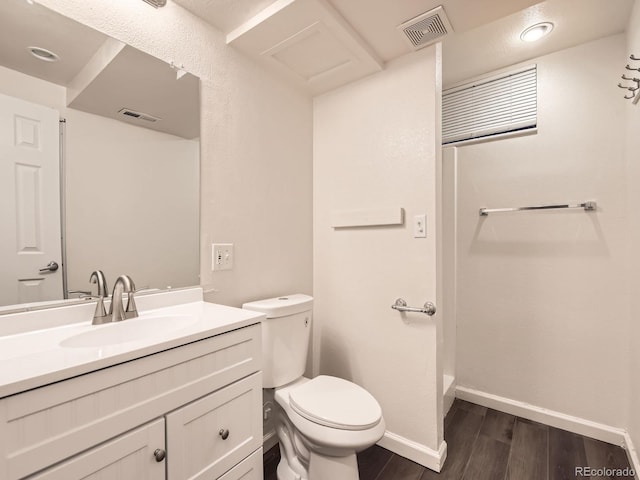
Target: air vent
{"type": "Point", "coordinates": [157, 3]}
{"type": "Point", "coordinates": [139, 115]}
{"type": "Point", "coordinates": [427, 28]}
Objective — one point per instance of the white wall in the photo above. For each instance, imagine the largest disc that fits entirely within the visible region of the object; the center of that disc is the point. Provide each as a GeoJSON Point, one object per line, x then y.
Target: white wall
{"type": "Point", "coordinates": [542, 299]}
{"type": "Point", "coordinates": [256, 138]}
{"type": "Point", "coordinates": [375, 147]}
{"type": "Point", "coordinates": [257, 190]}
{"type": "Point", "coordinates": [633, 178]}
{"type": "Point", "coordinates": [131, 195]}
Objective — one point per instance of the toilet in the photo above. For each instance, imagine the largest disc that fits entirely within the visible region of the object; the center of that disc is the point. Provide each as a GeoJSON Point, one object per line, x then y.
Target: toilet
{"type": "Point", "coordinates": [321, 422]}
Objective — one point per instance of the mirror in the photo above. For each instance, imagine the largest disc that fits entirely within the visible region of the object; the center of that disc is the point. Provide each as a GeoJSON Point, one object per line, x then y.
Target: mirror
{"type": "Point", "coordinates": [117, 179]}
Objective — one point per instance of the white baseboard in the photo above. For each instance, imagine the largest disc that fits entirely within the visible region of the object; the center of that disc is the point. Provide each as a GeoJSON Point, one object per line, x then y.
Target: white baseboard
{"type": "Point", "coordinates": [449, 386]}
{"type": "Point", "coordinates": [599, 431]}
{"type": "Point", "coordinates": [632, 453]}
{"type": "Point", "coordinates": [416, 452]}
{"type": "Point", "coordinates": [573, 424]}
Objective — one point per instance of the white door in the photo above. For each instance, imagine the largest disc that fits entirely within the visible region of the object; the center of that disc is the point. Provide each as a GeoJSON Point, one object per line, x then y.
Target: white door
{"type": "Point", "coordinates": [29, 202]}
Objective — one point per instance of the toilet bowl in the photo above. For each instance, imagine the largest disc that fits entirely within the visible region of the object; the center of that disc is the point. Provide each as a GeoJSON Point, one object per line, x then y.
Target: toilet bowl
{"type": "Point", "coordinates": [322, 422]}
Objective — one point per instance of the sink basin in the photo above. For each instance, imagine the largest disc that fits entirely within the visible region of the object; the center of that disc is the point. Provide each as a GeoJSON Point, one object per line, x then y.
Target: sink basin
{"type": "Point", "coordinates": [131, 330]}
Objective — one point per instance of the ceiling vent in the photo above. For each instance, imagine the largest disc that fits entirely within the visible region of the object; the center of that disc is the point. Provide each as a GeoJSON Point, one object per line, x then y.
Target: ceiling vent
{"type": "Point", "coordinates": [139, 115]}
{"type": "Point", "coordinates": [427, 28]}
{"type": "Point", "coordinates": [157, 3]}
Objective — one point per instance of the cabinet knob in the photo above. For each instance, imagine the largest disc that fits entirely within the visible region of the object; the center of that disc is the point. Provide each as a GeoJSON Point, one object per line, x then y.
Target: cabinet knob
{"type": "Point", "coordinates": [224, 433]}
{"type": "Point", "coordinates": [159, 454]}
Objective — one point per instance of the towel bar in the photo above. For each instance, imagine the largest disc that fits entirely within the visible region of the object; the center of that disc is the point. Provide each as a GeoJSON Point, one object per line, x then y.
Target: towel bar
{"type": "Point", "coordinates": [587, 206]}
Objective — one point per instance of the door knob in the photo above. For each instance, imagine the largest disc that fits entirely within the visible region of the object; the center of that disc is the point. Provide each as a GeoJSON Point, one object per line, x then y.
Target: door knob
{"type": "Point", "coordinates": [51, 267]}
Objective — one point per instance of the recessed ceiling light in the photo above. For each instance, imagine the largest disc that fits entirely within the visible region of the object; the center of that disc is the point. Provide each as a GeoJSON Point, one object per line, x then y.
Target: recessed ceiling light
{"type": "Point", "coordinates": [43, 54]}
{"type": "Point", "coordinates": [536, 32]}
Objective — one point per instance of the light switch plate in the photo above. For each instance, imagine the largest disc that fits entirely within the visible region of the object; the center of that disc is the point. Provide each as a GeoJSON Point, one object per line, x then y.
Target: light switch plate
{"type": "Point", "coordinates": [420, 226]}
{"type": "Point", "coordinates": [221, 256]}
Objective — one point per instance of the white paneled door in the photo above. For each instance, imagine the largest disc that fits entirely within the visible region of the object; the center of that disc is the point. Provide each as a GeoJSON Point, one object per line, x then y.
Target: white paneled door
{"type": "Point", "coordinates": [29, 202]}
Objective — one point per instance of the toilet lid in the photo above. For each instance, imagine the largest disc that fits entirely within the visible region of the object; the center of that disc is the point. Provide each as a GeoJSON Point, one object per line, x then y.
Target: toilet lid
{"type": "Point", "coordinates": [335, 403]}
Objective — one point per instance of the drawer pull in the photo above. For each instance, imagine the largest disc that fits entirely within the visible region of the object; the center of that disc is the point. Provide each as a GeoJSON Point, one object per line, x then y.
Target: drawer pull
{"type": "Point", "coordinates": [160, 454]}
{"type": "Point", "coordinates": [224, 433]}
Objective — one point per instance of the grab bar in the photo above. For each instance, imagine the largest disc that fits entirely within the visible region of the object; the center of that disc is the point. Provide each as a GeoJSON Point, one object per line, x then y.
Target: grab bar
{"type": "Point", "coordinates": [400, 305]}
{"type": "Point", "coordinates": [588, 207]}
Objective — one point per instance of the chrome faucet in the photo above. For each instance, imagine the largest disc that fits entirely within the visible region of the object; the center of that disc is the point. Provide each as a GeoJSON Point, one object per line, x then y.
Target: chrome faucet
{"type": "Point", "coordinates": [100, 316]}
{"type": "Point", "coordinates": [123, 284]}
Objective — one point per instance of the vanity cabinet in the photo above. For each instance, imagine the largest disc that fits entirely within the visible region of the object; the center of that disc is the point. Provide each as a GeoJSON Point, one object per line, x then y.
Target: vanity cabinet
{"type": "Point", "coordinates": [201, 403]}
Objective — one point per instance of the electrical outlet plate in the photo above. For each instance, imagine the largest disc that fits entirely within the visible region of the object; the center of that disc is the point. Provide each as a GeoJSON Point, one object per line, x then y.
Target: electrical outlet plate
{"type": "Point", "coordinates": [221, 256]}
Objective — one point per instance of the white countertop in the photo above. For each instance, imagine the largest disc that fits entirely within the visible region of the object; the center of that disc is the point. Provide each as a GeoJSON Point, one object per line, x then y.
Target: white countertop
{"type": "Point", "coordinates": [36, 358]}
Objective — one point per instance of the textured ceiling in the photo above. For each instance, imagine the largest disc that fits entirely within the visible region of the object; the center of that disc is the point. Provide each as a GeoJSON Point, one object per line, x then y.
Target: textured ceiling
{"type": "Point", "coordinates": [485, 37]}
{"type": "Point", "coordinates": [486, 33]}
{"type": "Point", "coordinates": [376, 20]}
{"type": "Point", "coordinates": [497, 44]}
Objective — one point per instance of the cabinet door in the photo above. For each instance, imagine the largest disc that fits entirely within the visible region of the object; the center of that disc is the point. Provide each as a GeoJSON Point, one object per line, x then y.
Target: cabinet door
{"type": "Point", "coordinates": [210, 436]}
{"type": "Point", "coordinates": [127, 457]}
{"type": "Point", "coordinates": [249, 469]}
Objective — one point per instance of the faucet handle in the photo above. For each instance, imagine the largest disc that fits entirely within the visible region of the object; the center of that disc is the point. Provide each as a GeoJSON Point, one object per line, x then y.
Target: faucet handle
{"type": "Point", "coordinates": [100, 314]}
{"type": "Point", "coordinates": [131, 311]}
{"type": "Point", "coordinates": [98, 277]}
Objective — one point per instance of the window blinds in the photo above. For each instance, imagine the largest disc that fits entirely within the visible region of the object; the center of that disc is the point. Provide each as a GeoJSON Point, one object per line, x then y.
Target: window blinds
{"type": "Point", "coordinates": [490, 106]}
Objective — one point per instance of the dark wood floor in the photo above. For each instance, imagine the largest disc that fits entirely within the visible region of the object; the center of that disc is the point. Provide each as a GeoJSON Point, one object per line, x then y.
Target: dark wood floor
{"type": "Point", "coordinates": [485, 444]}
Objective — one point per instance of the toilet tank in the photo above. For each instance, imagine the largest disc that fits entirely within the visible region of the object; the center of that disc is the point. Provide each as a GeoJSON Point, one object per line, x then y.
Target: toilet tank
{"type": "Point", "coordinates": [285, 337]}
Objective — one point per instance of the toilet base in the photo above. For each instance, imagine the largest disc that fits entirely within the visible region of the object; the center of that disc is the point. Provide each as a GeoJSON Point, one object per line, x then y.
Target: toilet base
{"type": "Point", "coordinates": [326, 454]}
{"type": "Point", "coordinates": [322, 467]}
{"type": "Point", "coordinates": [284, 472]}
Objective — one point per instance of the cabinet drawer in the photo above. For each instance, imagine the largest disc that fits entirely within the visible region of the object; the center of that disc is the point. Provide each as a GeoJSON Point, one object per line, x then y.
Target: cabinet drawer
{"type": "Point", "coordinates": [128, 457]}
{"type": "Point", "coordinates": [47, 425]}
{"type": "Point", "coordinates": [249, 469]}
{"type": "Point", "coordinates": [211, 435]}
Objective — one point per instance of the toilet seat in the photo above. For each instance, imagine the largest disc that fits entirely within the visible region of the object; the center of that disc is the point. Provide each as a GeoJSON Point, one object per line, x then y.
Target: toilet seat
{"type": "Point", "coordinates": [336, 403]}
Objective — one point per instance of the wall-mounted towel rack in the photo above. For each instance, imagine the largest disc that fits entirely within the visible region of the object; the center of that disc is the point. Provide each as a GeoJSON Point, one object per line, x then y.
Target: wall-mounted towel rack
{"type": "Point", "coordinates": [587, 206]}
